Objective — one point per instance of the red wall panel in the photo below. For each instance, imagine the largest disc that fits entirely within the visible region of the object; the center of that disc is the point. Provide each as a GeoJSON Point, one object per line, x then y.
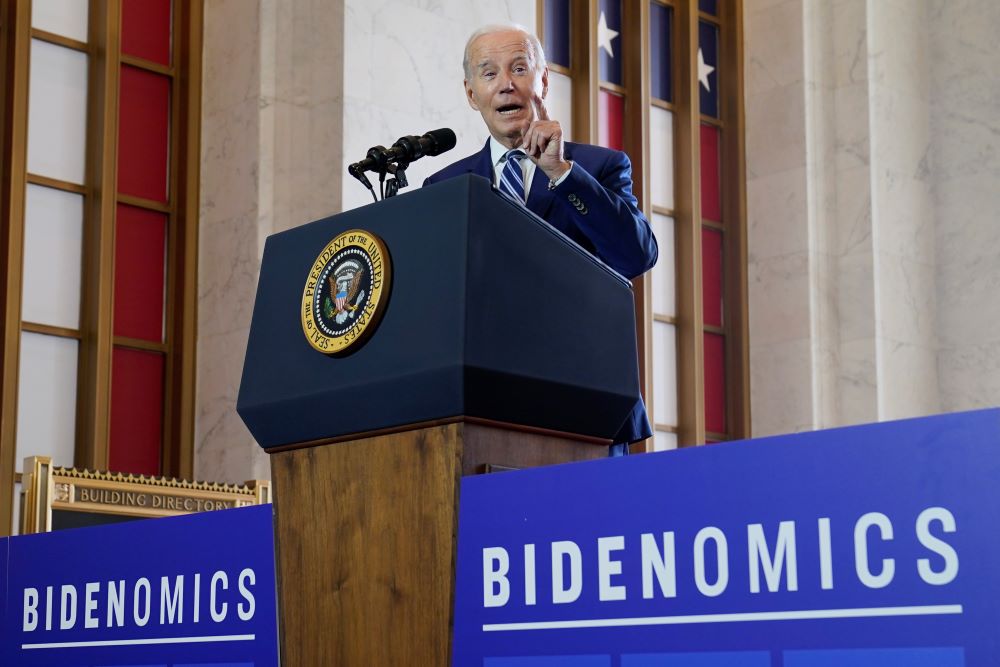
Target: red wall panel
{"type": "Point", "coordinates": [136, 411]}
{"type": "Point", "coordinates": [143, 134]}
{"type": "Point", "coordinates": [140, 259]}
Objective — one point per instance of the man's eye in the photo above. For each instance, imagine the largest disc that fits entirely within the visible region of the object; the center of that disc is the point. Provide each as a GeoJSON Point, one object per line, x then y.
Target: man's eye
{"type": "Point", "coordinates": [488, 75]}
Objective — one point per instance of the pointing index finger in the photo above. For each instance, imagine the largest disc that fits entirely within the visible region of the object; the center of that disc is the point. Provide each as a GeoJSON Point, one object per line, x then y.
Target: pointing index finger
{"type": "Point", "coordinates": [540, 110]}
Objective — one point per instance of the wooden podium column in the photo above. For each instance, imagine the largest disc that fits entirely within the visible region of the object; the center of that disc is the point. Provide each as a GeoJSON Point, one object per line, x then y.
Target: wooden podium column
{"type": "Point", "coordinates": [365, 535]}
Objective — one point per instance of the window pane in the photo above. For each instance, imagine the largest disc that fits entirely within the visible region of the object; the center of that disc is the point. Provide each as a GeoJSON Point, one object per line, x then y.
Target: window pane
{"type": "Point", "coordinates": [664, 273]}
{"type": "Point", "coordinates": [611, 113]}
{"type": "Point", "coordinates": [146, 29]}
{"type": "Point", "coordinates": [140, 260]}
{"type": "Point", "coordinates": [53, 251]}
{"type": "Point", "coordinates": [609, 41]}
{"type": "Point", "coordinates": [664, 374]}
{"type": "Point", "coordinates": [661, 157]}
{"type": "Point", "coordinates": [660, 19]}
{"type": "Point", "coordinates": [664, 440]}
{"type": "Point", "coordinates": [143, 134]}
{"type": "Point", "coordinates": [711, 275]}
{"type": "Point", "coordinates": [136, 411]}
{"type": "Point", "coordinates": [560, 102]}
{"type": "Point", "coordinates": [715, 383]}
{"type": "Point", "coordinates": [708, 75]}
{"type": "Point", "coordinates": [708, 6]}
{"type": "Point", "coordinates": [63, 17]}
{"type": "Point", "coordinates": [57, 113]}
{"type": "Point", "coordinates": [557, 32]}
{"type": "Point", "coordinates": [46, 398]}
{"type": "Point", "coordinates": [711, 208]}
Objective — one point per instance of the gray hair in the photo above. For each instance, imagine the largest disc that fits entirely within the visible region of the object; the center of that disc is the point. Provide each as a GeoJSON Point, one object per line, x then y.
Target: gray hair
{"type": "Point", "coordinates": [536, 45]}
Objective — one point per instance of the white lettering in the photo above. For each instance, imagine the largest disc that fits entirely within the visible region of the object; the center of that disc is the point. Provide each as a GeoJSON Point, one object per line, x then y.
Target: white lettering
{"type": "Point", "coordinates": [143, 619]}
{"type": "Point", "coordinates": [562, 594]}
{"type": "Point", "coordinates": [90, 604]}
{"type": "Point", "coordinates": [530, 596]}
{"type": "Point", "coordinates": [760, 557]}
{"type": "Point", "coordinates": [865, 575]}
{"type": "Point", "coordinates": [197, 596]}
{"type": "Point", "coordinates": [950, 570]}
{"type": "Point", "coordinates": [495, 575]}
{"type": "Point", "coordinates": [660, 563]}
{"type": "Point", "coordinates": [172, 604]}
{"type": "Point", "coordinates": [722, 557]}
{"type": "Point", "coordinates": [607, 568]}
{"type": "Point", "coordinates": [30, 606]}
{"type": "Point", "coordinates": [67, 607]}
{"type": "Point", "coordinates": [116, 604]}
{"type": "Point", "coordinates": [825, 554]}
{"type": "Point", "coordinates": [246, 613]}
{"type": "Point", "coordinates": [218, 614]}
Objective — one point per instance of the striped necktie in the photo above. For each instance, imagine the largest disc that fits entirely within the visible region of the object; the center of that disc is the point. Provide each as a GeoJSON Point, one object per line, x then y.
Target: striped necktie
{"type": "Point", "coordinates": [511, 178]}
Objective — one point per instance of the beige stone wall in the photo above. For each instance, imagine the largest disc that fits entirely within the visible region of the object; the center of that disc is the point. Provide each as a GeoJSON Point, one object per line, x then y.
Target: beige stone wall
{"type": "Point", "coordinates": [871, 138]}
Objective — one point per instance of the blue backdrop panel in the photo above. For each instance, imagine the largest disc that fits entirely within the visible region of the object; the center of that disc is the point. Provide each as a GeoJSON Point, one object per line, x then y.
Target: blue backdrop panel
{"type": "Point", "coordinates": [852, 547]}
{"type": "Point", "coordinates": [190, 591]}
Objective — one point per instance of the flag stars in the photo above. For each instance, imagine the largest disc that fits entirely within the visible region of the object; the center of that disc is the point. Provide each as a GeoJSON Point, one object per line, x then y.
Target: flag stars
{"type": "Point", "coordinates": [704, 69]}
{"type": "Point", "coordinates": [605, 35]}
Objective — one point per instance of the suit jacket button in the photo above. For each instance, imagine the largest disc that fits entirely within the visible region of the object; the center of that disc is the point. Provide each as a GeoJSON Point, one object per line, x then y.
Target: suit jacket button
{"type": "Point", "coordinates": [572, 198]}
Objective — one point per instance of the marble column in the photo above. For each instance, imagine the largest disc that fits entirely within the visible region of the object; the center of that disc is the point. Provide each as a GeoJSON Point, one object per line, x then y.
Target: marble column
{"type": "Point", "coordinates": [872, 171]}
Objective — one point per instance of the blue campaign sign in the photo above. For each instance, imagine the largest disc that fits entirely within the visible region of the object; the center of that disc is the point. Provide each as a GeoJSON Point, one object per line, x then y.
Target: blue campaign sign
{"type": "Point", "coordinates": [854, 547]}
{"type": "Point", "coordinates": [183, 591]}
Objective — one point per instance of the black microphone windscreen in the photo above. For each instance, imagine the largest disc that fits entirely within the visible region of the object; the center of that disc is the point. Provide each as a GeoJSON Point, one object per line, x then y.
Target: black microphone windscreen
{"type": "Point", "coordinates": [443, 140]}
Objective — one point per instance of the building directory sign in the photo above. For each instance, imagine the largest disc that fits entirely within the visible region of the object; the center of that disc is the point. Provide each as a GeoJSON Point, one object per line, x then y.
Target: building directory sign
{"type": "Point", "coordinates": [180, 591]}
{"type": "Point", "coordinates": [854, 547]}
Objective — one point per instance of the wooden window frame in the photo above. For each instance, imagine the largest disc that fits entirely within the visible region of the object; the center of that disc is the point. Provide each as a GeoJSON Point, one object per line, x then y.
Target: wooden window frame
{"type": "Point", "coordinates": [100, 202]}
{"type": "Point", "coordinates": [689, 318]}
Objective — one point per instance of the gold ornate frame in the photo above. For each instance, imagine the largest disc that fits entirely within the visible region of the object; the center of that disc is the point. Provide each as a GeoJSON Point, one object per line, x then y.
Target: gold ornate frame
{"type": "Point", "coordinates": [46, 488]}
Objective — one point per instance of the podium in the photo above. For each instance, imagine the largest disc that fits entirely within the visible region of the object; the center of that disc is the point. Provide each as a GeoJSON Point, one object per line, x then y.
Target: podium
{"type": "Point", "coordinates": [503, 345]}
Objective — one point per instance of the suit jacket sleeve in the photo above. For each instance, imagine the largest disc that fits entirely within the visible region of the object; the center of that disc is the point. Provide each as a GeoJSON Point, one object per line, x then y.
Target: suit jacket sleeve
{"type": "Point", "coordinates": [598, 201]}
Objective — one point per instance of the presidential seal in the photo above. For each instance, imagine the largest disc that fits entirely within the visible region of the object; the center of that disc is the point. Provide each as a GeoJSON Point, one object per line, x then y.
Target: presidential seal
{"type": "Point", "coordinates": [346, 292]}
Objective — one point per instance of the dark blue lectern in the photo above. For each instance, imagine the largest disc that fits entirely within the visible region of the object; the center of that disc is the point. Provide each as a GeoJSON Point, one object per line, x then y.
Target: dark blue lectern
{"type": "Point", "coordinates": [503, 345]}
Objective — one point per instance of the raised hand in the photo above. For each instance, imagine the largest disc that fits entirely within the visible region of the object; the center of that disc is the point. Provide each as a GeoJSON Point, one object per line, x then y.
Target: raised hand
{"type": "Point", "coordinates": [543, 141]}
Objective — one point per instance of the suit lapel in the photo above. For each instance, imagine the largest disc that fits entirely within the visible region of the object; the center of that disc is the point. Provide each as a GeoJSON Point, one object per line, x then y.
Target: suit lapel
{"type": "Point", "coordinates": [483, 165]}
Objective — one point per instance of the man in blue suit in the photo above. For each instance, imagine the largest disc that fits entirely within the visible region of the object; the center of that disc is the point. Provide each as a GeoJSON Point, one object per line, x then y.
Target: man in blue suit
{"type": "Point", "coordinates": [583, 191]}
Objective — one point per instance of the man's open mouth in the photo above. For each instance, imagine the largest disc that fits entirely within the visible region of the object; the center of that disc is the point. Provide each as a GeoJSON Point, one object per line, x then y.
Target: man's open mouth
{"type": "Point", "coordinates": [509, 109]}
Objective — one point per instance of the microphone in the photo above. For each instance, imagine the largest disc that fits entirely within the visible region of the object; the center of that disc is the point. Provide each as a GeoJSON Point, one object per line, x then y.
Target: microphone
{"type": "Point", "coordinates": [406, 149]}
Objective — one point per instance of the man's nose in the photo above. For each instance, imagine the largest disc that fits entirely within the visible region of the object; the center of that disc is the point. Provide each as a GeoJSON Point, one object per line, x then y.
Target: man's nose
{"type": "Point", "coordinates": [506, 82]}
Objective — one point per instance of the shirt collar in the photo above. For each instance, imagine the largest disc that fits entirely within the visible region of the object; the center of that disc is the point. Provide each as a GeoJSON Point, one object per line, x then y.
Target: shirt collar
{"type": "Point", "coordinates": [497, 151]}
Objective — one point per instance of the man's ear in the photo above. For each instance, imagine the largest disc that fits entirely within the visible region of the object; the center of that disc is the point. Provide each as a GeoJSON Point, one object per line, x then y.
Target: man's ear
{"type": "Point", "coordinates": [470, 95]}
{"type": "Point", "coordinates": [545, 82]}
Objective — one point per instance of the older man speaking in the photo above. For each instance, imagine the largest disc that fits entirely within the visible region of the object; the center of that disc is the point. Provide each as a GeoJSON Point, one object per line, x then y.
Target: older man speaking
{"type": "Point", "coordinates": [583, 191]}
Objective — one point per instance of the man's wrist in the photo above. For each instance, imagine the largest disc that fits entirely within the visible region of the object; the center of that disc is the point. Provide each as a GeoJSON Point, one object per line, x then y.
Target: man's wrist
{"type": "Point", "coordinates": [557, 176]}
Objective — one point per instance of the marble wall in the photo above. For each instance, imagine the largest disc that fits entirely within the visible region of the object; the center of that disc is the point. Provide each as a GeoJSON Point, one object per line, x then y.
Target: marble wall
{"type": "Point", "coordinates": [403, 75]}
{"type": "Point", "coordinates": [859, 215]}
{"type": "Point", "coordinates": [293, 91]}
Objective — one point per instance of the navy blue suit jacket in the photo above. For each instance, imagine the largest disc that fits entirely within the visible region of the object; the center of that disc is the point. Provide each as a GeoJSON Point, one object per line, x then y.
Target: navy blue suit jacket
{"type": "Point", "coordinates": [595, 207]}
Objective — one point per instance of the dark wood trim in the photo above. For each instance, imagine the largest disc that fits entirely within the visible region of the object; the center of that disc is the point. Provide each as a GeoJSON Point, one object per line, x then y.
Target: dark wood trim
{"type": "Point", "coordinates": [583, 28]}
{"type": "Point", "coordinates": [149, 204]}
{"type": "Point", "coordinates": [687, 230]}
{"type": "Point", "coordinates": [140, 344]}
{"type": "Point", "coordinates": [56, 184]}
{"type": "Point", "coordinates": [559, 69]}
{"type": "Point", "coordinates": [178, 454]}
{"type": "Point", "coordinates": [15, 53]}
{"type": "Point", "coordinates": [712, 224]}
{"type": "Point", "coordinates": [148, 65]}
{"type": "Point", "coordinates": [94, 378]}
{"type": "Point", "coordinates": [49, 330]}
{"type": "Point", "coordinates": [59, 40]}
{"type": "Point", "coordinates": [715, 122]}
{"type": "Point", "coordinates": [666, 319]}
{"type": "Point", "coordinates": [666, 428]}
{"type": "Point", "coordinates": [635, 68]}
{"type": "Point", "coordinates": [662, 104]}
{"type": "Point", "coordinates": [734, 212]}
{"type": "Point", "coordinates": [663, 210]}
{"type": "Point", "coordinates": [444, 421]}
{"type": "Point", "coordinates": [613, 87]}
{"type": "Point", "coordinates": [705, 16]}
{"type": "Point", "coordinates": [712, 329]}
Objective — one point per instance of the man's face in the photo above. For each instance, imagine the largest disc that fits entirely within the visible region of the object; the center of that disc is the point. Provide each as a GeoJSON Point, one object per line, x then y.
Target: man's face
{"type": "Point", "coordinates": [504, 80]}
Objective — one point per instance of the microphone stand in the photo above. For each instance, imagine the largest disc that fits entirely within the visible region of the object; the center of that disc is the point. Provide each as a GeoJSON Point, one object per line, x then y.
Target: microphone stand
{"type": "Point", "coordinates": [398, 181]}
